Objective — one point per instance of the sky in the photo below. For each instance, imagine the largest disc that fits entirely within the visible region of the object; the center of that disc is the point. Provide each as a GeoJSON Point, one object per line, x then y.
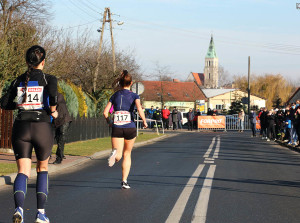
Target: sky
{"type": "Point", "coordinates": [176, 33]}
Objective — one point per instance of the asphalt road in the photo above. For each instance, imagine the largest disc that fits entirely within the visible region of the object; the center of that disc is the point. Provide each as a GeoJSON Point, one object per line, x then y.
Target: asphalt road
{"type": "Point", "coordinates": [193, 177]}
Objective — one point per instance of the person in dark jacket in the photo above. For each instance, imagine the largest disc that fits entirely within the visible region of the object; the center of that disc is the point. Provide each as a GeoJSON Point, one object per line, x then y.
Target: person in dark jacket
{"type": "Point", "coordinates": [271, 126]}
{"type": "Point", "coordinates": [263, 123]}
{"type": "Point", "coordinates": [157, 116]}
{"type": "Point", "coordinates": [190, 118]}
{"type": "Point", "coordinates": [175, 118]}
{"type": "Point", "coordinates": [252, 118]}
{"type": "Point", "coordinates": [179, 119]}
{"type": "Point", "coordinates": [61, 124]}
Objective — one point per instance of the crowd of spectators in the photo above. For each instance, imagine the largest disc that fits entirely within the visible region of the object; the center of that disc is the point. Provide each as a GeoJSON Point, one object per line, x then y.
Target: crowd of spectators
{"type": "Point", "coordinates": [281, 124]}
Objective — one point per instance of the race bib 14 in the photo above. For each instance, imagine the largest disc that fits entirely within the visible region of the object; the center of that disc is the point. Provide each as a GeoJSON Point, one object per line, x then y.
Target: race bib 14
{"type": "Point", "coordinates": [34, 98]}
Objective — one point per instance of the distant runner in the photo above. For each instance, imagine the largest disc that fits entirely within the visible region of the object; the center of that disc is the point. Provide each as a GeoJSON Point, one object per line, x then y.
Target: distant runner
{"type": "Point", "coordinates": [123, 126]}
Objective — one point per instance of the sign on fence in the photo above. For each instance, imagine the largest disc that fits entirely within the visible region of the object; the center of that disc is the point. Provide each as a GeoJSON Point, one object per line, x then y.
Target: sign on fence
{"type": "Point", "coordinates": [211, 122]}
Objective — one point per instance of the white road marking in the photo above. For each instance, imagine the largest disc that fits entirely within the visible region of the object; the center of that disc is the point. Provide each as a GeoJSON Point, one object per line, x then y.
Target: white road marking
{"type": "Point", "coordinates": [200, 211]}
{"type": "Point", "coordinates": [208, 161]}
{"type": "Point", "coordinates": [181, 203]}
{"type": "Point", "coordinates": [206, 155]}
{"type": "Point", "coordinates": [217, 150]}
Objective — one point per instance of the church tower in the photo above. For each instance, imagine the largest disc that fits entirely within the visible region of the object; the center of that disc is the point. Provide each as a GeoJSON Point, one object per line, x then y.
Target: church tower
{"type": "Point", "coordinates": [211, 74]}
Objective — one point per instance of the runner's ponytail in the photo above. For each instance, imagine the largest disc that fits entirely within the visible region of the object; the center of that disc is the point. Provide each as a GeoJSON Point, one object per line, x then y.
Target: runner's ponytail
{"type": "Point", "coordinates": [123, 81]}
{"type": "Point", "coordinates": [34, 56]}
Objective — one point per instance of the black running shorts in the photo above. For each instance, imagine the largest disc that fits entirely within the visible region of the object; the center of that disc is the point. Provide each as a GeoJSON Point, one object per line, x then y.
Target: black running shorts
{"type": "Point", "coordinates": [28, 135]}
{"type": "Point", "coordinates": [126, 133]}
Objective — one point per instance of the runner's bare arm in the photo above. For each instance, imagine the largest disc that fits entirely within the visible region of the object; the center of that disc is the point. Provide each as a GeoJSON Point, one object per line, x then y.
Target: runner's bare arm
{"type": "Point", "coordinates": [106, 111]}
{"type": "Point", "coordinates": [141, 112]}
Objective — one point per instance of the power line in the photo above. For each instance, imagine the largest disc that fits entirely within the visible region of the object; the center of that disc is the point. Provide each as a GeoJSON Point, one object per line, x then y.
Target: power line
{"type": "Point", "coordinates": [72, 27]}
{"type": "Point", "coordinates": [81, 9]}
{"type": "Point", "coordinates": [87, 6]}
{"type": "Point", "coordinates": [273, 47]}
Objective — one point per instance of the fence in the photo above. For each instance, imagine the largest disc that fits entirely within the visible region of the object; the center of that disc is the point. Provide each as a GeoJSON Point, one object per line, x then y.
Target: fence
{"type": "Point", "coordinates": [6, 123]}
{"type": "Point", "coordinates": [80, 129]}
{"type": "Point", "coordinates": [88, 128]}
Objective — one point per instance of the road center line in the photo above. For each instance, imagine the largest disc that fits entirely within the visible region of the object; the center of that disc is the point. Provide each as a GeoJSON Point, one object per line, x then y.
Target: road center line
{"type": "Point", "coordinates": [217, 150]}
{"type": "Point", "coordinates": [200, 211]}
{"type": "Point", "coordinates": [181, 203]}
{"type": "Point", "coordinates": [206, 155]}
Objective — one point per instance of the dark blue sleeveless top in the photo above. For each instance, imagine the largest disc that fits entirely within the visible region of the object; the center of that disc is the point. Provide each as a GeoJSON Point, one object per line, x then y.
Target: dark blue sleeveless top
{"type": "Point", "coordinates": [124, 100]}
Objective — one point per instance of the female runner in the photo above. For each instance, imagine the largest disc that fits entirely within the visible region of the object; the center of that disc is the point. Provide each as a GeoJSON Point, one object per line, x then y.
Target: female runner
{"type": "Point", "coordinates": [34, 94]}
{"type": "Point", "coordinates": [123, 126]}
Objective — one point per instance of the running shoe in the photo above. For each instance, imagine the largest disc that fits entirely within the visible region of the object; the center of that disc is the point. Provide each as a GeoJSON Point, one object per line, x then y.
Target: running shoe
{"type": "Point", "coordinates": [268, 140]}
{"type": "Point", "coordinates": [18, 216]}
{"type": "Point", "coordinates": [112, 158]}
{"type": "Point", "coordinates": [125, 185]}
{"type": "Point", "coordinates": [41, 218]}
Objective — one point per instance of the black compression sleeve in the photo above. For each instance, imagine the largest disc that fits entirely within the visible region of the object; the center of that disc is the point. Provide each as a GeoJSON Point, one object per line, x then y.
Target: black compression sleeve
{"type": "Point", "coordinates": [52, 89]}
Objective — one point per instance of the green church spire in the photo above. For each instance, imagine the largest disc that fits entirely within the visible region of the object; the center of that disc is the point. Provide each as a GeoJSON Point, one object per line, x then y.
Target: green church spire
{"type": "Point", "coordinates": [211, 53]}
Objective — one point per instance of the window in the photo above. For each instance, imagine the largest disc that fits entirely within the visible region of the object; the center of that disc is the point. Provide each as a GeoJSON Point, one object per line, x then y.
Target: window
{"type": "Point", "coordinates": [208, 75]}
{"type": "Point", "coordinates": [208, 63]}
{"type": "Point", "coordinates": [219, 107]}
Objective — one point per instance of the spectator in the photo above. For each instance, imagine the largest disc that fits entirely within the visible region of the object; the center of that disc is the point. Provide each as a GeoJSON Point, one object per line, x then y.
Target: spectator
{"type": "Point", "coordinates": [241, 119]}
{"type": "Point", "coordinates": [61, 124]}
{"type": "Point", "coordinates": [209, 111]}
{"type": "Point", "coordinates": [297, 122]}
{"type": "Point", "coordinates": [190, 117]}
{"type": "Point", "coordinates": [150, 116]}
{"type": "Point", "coordinates": [179, 119]}
{"type": "Point", "coordinates": [165, 117]}
{"type": "Point", "coordinates": [271, 126]}
{"type": "Point", "coordinates": [288, 124]}
{"type": "Point", "coordinates": [263, 123]}
{"type": "Point", "coordinates": [252, 118]}
{"type": "Point", "coordinates": [175, 118]}
{"type": "Point", "coordinates": [157, 116]}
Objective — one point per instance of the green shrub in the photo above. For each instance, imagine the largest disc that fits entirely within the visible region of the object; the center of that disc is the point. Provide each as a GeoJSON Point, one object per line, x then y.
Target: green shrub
{"type": "Point", "coordinates": [70, 97]}
{"type": "Point", "coordinates": [91, 112]}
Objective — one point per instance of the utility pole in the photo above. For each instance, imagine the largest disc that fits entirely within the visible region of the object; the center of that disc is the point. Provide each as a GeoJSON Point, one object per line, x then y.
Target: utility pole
{"type": "Point", "coordinates": [104, 20]}
{"type": "Point", "coordinates": [248, 85]}
{"type": "Point", "coordinates": [112, 41]}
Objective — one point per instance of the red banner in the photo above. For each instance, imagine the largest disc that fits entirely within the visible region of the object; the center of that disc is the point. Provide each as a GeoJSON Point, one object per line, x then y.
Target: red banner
{"type": "Point", "coordinates": [211, 122]}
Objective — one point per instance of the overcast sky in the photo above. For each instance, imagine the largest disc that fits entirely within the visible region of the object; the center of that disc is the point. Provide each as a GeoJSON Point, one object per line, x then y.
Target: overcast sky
{"type": "Point", "coordinates": [176, 33]}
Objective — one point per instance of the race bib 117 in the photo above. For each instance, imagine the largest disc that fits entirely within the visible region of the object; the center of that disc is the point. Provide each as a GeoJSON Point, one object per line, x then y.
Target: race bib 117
{"type": "Point", "coordinates": [122, 117]}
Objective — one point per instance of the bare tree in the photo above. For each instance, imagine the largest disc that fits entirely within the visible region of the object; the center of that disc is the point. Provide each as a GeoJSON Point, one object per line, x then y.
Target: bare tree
{"type": "Point", "coordinates": [224, 77]}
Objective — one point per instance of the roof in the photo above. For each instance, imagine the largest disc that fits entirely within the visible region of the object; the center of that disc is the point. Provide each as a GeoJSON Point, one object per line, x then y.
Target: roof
{"type": "Point", "coordinates": [295, 96]}
{"type": "Point", "coordinates": [211, 52]}
{"type": "Point", "coordinates": [199, 78]}
{"type": "Point", "coordinates": [171, 91]}
{"type": "Point", "coordinates": [209, 93]}
{"type": "Point", "coordinates": [212, 92]}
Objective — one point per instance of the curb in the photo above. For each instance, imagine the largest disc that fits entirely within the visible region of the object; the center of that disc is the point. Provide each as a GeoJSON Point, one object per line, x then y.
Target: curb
{"type": "Point", "coordinates": [293, 148]}
{"type": "Point", "coordinates": [9, 179]}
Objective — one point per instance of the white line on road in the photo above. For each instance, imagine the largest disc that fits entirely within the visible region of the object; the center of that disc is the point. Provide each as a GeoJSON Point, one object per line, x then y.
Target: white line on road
{"type": "Point", "coordinates": [179, 207]}
{"type": "Point", "coordinates": [217, 150]}
{"type": "Point", "coordinates": [206, 155]}
{"type": "Point", "coordinates": [200, 211]}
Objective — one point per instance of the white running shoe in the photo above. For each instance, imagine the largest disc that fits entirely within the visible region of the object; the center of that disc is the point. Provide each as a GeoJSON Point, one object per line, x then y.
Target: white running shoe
{"type": "Point", "coordinates": [125, 185]}
{"type": "Point", "coordinates": [112, 158]}
{"type": "Point", "coordinates": [18, 215]}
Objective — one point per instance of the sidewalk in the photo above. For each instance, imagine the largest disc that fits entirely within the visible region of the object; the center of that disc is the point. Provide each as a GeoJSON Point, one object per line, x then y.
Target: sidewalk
{"type": "Point", "coordinates": [69, 162]}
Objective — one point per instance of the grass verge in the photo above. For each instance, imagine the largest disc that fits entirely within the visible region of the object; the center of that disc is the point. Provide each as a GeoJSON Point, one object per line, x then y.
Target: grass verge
{"type": "Point", "coordinates": [82, 148]}
{"type": "Point", "coordinates": [8, 168]}
{"type": "Point", "coordinates": [89, 147]}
